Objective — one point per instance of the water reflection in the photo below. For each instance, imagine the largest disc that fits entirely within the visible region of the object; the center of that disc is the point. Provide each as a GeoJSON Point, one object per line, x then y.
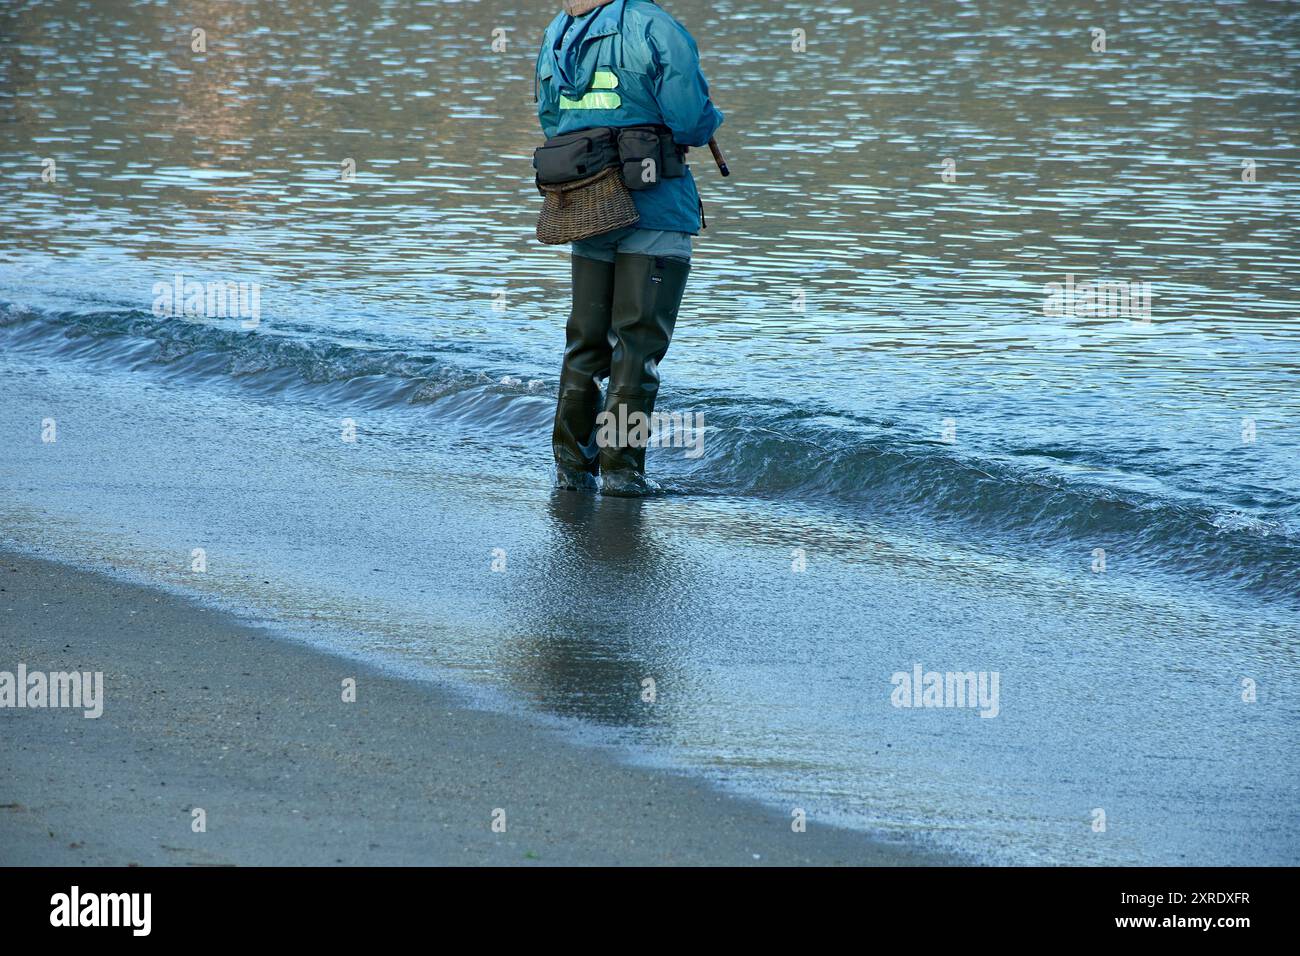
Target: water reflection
{"type": "Point", "coordinates": [585, 621]}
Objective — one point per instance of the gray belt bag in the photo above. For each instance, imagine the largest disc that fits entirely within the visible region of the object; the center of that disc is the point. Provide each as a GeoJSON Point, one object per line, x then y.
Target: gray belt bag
{"type": "Point", "coordinates": [648, 154]}
{"type": "Point", "coordinates": [563, 159]}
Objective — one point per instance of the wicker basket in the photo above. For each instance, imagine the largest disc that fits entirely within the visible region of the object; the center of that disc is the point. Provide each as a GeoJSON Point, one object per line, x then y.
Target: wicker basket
{"type": "Point", "coordinates": [585, 208]}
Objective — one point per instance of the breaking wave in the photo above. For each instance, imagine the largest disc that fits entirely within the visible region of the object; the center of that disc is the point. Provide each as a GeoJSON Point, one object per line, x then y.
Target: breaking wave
{"type": "Point", "coordinates": [755, 447]}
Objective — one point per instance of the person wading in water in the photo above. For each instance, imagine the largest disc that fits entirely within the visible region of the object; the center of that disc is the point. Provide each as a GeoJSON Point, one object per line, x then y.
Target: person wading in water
{"type": "Point", "coordinates": [620, 81]}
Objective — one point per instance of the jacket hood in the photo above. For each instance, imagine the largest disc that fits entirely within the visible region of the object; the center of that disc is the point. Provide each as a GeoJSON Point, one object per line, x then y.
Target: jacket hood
{"type": "Point", "coordinates": [576, 8]}
{"type": "Point", "coordinates": [574, 71]}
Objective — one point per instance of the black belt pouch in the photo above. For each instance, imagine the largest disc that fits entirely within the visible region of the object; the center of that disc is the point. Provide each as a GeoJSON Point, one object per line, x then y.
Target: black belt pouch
{"type": "Point", "coordinates": [636, 144]}
{"type": "Point", "coordinates": [562, 159]}
{"type": "Point", "coordinates": [673, 156]}
{"type": "Point", "coordinates": [639, 152]}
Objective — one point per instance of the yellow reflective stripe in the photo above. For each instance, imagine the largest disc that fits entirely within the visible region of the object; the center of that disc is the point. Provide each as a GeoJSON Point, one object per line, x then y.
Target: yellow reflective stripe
{"type": "Point", "coordinates": [595, 99]}
{"type": "Point", "coordinates": [592, 101]}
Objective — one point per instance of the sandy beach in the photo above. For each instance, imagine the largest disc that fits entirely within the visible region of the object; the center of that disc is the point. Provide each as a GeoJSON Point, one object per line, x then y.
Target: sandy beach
{"type": "Point", "coordinates": [203, 712]}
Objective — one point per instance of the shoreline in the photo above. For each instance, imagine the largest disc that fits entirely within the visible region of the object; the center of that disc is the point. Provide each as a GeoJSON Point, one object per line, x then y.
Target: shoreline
{"type": "Point", "coordinates": [204, 712]}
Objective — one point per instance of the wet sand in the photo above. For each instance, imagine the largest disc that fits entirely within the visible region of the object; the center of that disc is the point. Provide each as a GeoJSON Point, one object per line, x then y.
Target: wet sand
{"type": "Point", "coordinates": [203, 711]}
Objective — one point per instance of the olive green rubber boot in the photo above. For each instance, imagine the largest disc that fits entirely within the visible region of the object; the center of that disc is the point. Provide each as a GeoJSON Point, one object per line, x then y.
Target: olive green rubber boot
{"type": "Point", "coordinates": [587, 353]}
{"type": "Point", "coordinates": [647, 294]}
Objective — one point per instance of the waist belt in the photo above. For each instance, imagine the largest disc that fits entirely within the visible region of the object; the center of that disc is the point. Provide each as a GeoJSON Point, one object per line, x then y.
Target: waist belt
{"type": "Point", "coordinates": [646, 154]}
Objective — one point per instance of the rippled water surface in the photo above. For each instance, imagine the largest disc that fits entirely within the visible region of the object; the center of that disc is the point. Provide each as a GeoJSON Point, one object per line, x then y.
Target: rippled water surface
{"type": "Point", "coordinates": [865, 333]}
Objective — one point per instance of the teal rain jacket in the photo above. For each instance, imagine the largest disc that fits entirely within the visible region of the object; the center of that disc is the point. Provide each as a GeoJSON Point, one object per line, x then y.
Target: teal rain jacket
{"type": "Point", "coordinates": [629, 63]}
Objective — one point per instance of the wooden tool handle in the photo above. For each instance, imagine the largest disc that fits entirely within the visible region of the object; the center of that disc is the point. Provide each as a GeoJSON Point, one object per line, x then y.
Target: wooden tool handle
{"type": "Point", "coordinates": [717, 157]}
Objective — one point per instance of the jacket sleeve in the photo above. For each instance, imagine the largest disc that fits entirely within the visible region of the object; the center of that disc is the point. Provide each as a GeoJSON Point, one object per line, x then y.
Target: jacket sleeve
{"type": "Point", "coordinates": [679, 87]}
{"type": "Point", "coordinates": [548, 108]}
